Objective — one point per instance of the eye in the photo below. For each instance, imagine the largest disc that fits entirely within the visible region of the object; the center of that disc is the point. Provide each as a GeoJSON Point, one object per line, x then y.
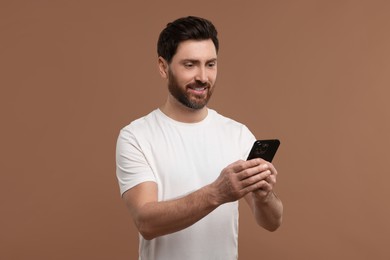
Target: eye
{"type": "Point", "coordinates": [212, 64]}
{"type": "Point", "coordinates": [188, 64]}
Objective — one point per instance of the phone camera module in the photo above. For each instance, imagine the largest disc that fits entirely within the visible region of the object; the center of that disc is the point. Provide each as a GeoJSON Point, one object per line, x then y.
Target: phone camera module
{"type": "Point", "coordinates": [262, 148]}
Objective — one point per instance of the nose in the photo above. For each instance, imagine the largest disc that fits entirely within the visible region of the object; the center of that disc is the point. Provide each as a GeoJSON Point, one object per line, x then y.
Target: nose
{"type": "Point", "coordinates": [201, 75]}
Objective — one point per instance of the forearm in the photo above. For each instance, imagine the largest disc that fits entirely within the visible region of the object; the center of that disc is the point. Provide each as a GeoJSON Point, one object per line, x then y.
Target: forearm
{"type": "Point", "coordinates": [268, 213]}
{"type": "Point", "coordinates": [156, 218]}
{"type": "Point", "coordinates": [160, 218]}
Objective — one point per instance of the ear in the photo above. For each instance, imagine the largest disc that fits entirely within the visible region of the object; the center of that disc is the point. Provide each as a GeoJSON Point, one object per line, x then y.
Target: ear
{"type": "Point", "coordinates": [163, 67]}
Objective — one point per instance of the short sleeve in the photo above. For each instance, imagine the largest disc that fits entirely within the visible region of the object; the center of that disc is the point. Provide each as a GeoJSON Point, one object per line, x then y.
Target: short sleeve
{"type": "Point", "coordinates": [132, 167]}
{"type": "Point", "coordinates": [247, 140]}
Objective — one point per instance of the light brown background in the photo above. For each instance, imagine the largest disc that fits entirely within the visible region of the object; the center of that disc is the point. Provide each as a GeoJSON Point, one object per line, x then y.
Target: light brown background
{"type": "Point", "coordinates": [313, 73]}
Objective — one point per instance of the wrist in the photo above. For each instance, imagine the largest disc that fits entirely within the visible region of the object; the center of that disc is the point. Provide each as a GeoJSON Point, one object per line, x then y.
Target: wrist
{"type": "Point", "coordinates": [211, 195]}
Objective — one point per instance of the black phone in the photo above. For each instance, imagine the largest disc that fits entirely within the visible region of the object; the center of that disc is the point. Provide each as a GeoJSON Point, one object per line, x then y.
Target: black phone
{"type": "Point", "coordinates": [265, 149]}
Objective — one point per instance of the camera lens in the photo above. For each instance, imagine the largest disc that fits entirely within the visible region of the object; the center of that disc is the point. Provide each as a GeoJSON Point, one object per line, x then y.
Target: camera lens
{"type": "Point", "coordinates": [264, 148]}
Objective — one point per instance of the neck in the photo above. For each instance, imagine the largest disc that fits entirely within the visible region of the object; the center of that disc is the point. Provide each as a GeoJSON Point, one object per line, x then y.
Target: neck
{"type": "Point", "coordinates": [177, 111]}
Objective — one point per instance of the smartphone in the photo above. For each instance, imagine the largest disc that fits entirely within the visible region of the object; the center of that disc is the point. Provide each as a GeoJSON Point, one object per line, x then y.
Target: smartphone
{"type": "Point", "coordinates": [265, 149]}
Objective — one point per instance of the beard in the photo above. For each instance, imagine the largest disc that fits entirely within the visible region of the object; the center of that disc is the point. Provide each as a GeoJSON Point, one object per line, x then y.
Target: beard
{"type": "Point", "coordinates": [190, 100]}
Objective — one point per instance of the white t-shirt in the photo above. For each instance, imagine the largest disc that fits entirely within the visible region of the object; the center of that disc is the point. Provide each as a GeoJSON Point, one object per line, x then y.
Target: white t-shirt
{"type": "Point", "coordinates": [181, 158]}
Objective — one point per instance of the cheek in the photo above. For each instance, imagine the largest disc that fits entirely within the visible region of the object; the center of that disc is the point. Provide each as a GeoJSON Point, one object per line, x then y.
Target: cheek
{"type": "Point", "coordinates": [213, 78]}
{"type": "Point", "coordinates": [183, 77]}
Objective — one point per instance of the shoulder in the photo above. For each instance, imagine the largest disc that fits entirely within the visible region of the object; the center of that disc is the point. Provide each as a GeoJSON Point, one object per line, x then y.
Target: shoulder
{"type": "Point", "coordinates": [139, 129]}
{"type": "Point", "coordinates": [221, 119]}
{"type": "Point", "coordinates": [234, 132]}
{"type": "Point", "coordinates": [141, 123]}
{"type": "Point", "coordinates": [228, 125]}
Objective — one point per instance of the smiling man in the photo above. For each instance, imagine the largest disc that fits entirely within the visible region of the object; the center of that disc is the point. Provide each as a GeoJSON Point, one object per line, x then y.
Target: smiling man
{"type": "Point", "coordinates": [182, 168]}
{"type": "Point", "coordinates": [191, 78]}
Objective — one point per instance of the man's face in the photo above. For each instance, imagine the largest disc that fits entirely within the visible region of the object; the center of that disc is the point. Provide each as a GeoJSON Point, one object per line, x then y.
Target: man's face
{"type": "Point", "coordinates": [192, 73]}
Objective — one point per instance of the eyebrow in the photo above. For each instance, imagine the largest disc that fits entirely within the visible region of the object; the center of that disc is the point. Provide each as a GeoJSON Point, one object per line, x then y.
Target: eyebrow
{"type": "Point", "coordinates": [198, 61]}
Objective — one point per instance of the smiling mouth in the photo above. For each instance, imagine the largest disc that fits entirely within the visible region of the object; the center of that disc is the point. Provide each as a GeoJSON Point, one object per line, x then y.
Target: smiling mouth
{"type": "Point", "coordinates": [198, 86]}
{"type": "Point", "coordinates": [197, 90]}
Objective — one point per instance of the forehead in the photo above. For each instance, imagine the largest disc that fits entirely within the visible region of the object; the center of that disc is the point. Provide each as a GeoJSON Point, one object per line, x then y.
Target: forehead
{"type": "Point", "coordinates": [196, 50]}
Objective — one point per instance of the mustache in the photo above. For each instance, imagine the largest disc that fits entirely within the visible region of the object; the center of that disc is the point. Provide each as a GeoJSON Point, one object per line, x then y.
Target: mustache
{"type": "Point", "coordinates": [199, 84]}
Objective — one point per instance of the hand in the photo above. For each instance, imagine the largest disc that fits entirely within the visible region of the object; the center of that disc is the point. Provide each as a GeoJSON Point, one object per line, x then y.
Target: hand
{"type": "Point", "coordinates": [243, 177]}
{"type": "Point", "coordinates": [266, 191]}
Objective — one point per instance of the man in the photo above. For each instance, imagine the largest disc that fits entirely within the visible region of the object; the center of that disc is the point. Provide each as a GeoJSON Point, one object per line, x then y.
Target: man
{"type": "Point", "coordinates": [182, 168]}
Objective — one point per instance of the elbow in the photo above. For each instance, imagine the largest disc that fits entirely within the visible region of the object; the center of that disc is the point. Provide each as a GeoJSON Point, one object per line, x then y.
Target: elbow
{"type": "Point", "coordinates": [147, 225]}
{"type": "Point", "coordinates": [147, 235]}
{"type": "Point", "coordinates": [145, 230]}
{"type": "Point", "coordinates": [272, 227]}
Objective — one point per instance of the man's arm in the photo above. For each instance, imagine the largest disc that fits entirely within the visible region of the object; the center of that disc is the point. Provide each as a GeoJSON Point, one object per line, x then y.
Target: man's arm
{"type": "Point", "coordinates": [265, 205]}
{"type": "Point", "coordinates": [156, 218]}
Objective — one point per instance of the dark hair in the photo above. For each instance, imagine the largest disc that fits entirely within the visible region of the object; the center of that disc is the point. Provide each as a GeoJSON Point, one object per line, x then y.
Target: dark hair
{"type": "Point", "coordinates": [182, 29]}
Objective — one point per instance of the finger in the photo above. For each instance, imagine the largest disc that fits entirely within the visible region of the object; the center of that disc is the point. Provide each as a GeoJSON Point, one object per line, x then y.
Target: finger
{"type": "Point", "coordinates": [271, 179]}
{"type": "Point", "coordinates": [265, 186]}
{"type": "Point", "coordinates": [251, 171]}
{"type": "Point", "coordinates": [262, 188]}
{"type": "Point", "coordinates": [261, 193]}
{"type": "Point", "coordinates": [257, 160]}
{"type": "Point", "coordinates": [236, 167]}
{"type": "Point", "coordinates": [259, 186]}
{"type": "Point", "coordinates": [255, 179]}
{"type": "Point", "coordinates": [241, 164]}
{"type": "Point", "coordinates": [272, 169]}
